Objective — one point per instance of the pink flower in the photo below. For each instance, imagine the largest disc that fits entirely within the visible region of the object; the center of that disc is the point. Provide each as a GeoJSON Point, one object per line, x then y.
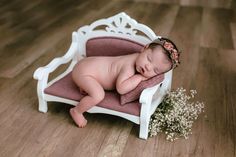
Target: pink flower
{"type": "Point", "coordinates": [174, 54]}
{"type": "Point", "coordinates": [168, 45]}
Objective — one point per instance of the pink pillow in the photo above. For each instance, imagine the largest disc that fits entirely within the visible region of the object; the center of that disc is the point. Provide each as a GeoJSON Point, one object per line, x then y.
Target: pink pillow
{"type": "Point", "coordinates": [136, 92]}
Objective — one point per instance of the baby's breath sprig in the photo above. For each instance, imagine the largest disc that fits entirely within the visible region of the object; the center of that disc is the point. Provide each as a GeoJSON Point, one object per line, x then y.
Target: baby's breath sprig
{"type": "Point", "coordinates": [175, 115]}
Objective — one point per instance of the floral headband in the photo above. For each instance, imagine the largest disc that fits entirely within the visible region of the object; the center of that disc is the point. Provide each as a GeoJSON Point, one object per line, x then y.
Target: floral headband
{"type": "Point", "coordinates": [169, 47]}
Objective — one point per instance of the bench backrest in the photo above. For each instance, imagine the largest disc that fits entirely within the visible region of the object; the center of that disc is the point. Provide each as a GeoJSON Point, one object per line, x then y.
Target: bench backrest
{"type": "Point", "coordinates": [111, 46]}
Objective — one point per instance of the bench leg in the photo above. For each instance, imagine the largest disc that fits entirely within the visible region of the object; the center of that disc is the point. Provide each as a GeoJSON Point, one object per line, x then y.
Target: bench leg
{"type": "Point", "coordinates": [43, 106]}
{"type": "Point", "coordinates": [144, 123]}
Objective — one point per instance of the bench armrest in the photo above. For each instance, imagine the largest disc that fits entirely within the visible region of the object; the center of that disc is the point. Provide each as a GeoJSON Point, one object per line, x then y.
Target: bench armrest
{"type": "Point", "coordinates": [147, 94]}
{"type": "Point", "coordinates": [146, 104]}
{"type": "Point", "coordinates": [42, 72]}
{"type": "Point", "coordinates": [151, 97]}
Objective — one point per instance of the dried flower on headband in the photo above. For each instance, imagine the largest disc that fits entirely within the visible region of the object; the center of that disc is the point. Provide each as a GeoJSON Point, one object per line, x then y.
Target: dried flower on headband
{"type": "Point", "coordinates": [170, 49]}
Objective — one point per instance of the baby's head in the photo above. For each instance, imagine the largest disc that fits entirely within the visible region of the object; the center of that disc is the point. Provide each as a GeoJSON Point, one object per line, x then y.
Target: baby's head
{"type": "Point", "coordinates": [157, 57]}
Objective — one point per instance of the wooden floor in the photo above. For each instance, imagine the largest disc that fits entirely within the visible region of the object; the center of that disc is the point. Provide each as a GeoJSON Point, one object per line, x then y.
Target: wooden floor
{"type": "Point", "coordinates": [32, 33]}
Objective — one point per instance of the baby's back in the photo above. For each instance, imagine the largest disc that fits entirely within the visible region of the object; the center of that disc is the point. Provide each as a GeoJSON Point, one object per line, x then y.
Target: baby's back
{"type": "Point", "coordinates": [104, 69]}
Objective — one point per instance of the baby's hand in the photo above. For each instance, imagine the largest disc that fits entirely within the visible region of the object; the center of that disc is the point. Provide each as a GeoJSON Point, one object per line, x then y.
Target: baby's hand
{"type": "Point", "coordinates": [143, 78]}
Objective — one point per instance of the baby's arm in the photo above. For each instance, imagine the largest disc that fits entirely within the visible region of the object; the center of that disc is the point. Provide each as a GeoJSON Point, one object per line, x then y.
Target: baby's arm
{"type": "Point", "coordinates": [126, 82]}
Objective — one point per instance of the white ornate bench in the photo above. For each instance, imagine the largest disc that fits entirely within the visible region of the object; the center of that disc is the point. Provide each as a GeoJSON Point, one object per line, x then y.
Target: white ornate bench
{"type": "Point", "coordinates": [92, 40]}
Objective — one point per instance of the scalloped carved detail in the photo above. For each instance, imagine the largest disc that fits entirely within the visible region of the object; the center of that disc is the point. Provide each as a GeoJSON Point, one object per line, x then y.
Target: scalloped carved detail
{"type": "Point", "coordinates": [122, 24]}
{"type": "Point", "coordinates": [119, 24]}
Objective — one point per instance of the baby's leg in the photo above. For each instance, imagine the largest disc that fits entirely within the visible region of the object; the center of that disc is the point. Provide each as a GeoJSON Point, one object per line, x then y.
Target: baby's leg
{"type": "Point", "coordinates": [95, 95]}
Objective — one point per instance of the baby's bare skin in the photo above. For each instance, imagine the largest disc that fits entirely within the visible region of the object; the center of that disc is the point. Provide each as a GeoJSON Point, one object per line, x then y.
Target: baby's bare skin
{"type": "Point", "coordinates": [105, 69]}
{"type": "Point", "coordinates": [95, 74]}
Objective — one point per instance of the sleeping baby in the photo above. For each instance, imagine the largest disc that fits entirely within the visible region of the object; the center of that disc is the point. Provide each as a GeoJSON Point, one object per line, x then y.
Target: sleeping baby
{"type": "Point", "coordinates": [95, 74]}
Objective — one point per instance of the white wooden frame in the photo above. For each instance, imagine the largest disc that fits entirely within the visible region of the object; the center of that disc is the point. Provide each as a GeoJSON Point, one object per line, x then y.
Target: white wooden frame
{"type": "Point", "coordinates": [119, 25]}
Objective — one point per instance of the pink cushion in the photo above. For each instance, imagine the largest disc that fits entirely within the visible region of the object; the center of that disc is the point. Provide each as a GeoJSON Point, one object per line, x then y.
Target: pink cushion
{"type": "Point", "coordinates": [135, 93]}
{"type": "Point", "coordinates": [111, 46]}
{"type": "Point", "coordinates": [66, 88]}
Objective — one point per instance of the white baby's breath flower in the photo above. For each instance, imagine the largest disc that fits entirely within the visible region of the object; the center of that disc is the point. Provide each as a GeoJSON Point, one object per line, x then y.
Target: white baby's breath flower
{"type": "Point", "coordinates": [175, 115]}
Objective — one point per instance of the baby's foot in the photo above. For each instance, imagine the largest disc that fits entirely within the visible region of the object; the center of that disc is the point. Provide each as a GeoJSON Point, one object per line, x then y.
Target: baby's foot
{"type": "Point", "coordinates": [78, 118]}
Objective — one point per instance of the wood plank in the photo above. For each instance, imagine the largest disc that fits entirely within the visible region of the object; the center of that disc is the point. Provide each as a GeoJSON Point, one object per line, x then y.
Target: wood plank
{"type": "Point", "coordinates": [23, 39]}
{"type": "Point", "coordinates": [187, 39]}
{"type": "Point", "coordinates": [114, 143]}
{"type": "Point", "coordinates": [216, 29]}
{"type": "Point", "coordinates": [87, 139]}
{"type": "Point", "coordinates": [233, 33]}
{"type": "Point", "coordinates": [54, 34]}
{"type": "Point", "coordinates": [160, 13]}
{"type": "Point", "coordinates": [24, 56]}
{"type": "Point", "coordinates": [24, 27]}
{"type": "Point", "coordinates": [193, 3]}
{"type": "Point", "coordinates": [7, 5]}
{"type": "Point", "coordinates": [210, 3]}
{"type": "Point", "coordinates": [233, 7]}
{"type": "Point", "coordinates": [215, 84]}
{"type": "Point", "coordinates": [160, 1]}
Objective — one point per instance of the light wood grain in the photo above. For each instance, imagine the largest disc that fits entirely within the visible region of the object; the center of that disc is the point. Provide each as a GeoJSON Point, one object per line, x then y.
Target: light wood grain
{"type": "Point", "coordinates": [216, 85]}
{"type": "Point", "coordinates": [216, 29]}
{"type": "Point", "coordinates": [187, 38]}
{"type": "Point", "coordinates": [201, 3]}
{"type": "Point", "coordinates": [233, 31]}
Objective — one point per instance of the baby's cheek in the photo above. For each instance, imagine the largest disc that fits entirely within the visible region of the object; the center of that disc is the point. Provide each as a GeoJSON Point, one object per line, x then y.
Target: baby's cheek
{"type": "Point", "coordinates": [166, 66]}
{"type": "Point", "coordinates": [160, 66]}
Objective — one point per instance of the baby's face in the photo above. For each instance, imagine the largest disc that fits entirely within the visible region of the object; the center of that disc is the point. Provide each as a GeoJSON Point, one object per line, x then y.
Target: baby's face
{"type": "Point", "coordinates": [152, 62]}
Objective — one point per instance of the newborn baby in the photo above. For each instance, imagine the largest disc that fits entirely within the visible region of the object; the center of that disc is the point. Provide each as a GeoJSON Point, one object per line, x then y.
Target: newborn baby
{"type": "Point", "coordinates": [95, 74]}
